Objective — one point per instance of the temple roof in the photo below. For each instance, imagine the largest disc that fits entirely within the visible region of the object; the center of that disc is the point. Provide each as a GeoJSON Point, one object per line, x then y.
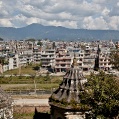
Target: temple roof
{"type": "Point", "coordinates": [70, 88]}
{"type": "Point", "coordinates": [5, 99]}
{"type": "Point", "coordinates": [68, 93]}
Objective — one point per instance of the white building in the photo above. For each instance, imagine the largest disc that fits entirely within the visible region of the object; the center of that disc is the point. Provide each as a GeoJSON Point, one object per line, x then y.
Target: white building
{"type": "Point", "coordinates": [13, 61]}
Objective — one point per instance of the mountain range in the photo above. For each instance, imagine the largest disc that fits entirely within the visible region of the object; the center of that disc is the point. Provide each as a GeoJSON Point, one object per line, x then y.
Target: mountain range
{"type": "Point", "coordinates": [38, 31]}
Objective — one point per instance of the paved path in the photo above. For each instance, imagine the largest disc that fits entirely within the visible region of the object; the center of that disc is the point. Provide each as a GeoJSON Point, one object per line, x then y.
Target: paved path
{"type": "Point", "coordinates": [31, 102]}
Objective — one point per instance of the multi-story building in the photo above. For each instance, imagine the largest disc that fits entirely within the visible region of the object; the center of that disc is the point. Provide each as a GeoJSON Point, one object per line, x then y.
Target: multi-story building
{"type": "Point", "coordinates": [37, 55]}
{"type": "Point", "coordinates": [47, 58]}
{"type": "Point", "coordinates": [104, 60]}
{"type": "Point", "coordinates": [59, 58]}
{"type": "Point", "coordinates": [63, 61]}
{"type": "Point", "coordinates": [13, 61]}
{"type": "Point", "coordinates": [88, 59]}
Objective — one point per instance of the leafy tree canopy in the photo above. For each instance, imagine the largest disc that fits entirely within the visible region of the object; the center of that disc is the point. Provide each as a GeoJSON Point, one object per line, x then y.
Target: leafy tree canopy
{"type": "Point", "coordinates": [102, 95]}
{"type": "Point", "coordinates": [39, 43]}
{"type": "Point", "coordinates": [1, 39]}
{"type": "Point", "coordinates": [114, 58]}
{"type": "Point", "coordinates": [31, 39]}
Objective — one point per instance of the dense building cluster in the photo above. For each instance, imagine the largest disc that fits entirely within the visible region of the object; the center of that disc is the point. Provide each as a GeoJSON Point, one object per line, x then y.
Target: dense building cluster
{"type": "Point", "coordinates": [56, 55]}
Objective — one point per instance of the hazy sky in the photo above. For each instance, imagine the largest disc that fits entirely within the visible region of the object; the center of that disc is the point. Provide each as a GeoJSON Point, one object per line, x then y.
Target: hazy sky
{"type": "Point", "coordinates": [87, 14]}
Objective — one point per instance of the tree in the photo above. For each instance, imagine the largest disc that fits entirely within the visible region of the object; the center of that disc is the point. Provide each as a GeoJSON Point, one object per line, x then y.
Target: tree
{"type": "Point", "coordinates": [102, 96]}
{"type": "Point", "coordinates": [38, 66]}
{"type": "Point", "coordinates": [31, 39]}
{"type": "Point", "coordinates": [114, 58]}
{"type": "Point", "coordinates": [40, 43]}
{"type": "Point", "coordinates": [47, 77]}
{"type": "Point", "coordinates": [3, 61]}
{"type": "Point", "coordinates": [33, 77]}
{"type": "Point", "coordinates": [1, 39]}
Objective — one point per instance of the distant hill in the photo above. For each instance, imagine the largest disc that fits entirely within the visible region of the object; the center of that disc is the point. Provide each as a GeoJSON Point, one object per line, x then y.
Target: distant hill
{"type": "Point", "coordinates": [38, 31]}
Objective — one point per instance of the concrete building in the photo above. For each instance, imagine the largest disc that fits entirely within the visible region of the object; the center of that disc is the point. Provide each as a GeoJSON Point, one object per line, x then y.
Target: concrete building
{"type": "Point", "coordinates": [37, 54]}
{"type": "Point", "coordinates": [59, 58]}
{"type": "Point", "coordinates": [63, 61]}
{"type": "Point", "coordinates": [104, 60]}
{"type": "Point", "coordinates": [47, 57]}
{"type": "Point", "coordinates": [13, 61]}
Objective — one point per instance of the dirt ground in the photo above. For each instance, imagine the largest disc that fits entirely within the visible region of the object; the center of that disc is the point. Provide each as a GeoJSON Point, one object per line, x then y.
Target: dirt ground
{"type": "Point", "coordinates": [29, 112]}
{"type": "Point", "coordinates": [31, 109]}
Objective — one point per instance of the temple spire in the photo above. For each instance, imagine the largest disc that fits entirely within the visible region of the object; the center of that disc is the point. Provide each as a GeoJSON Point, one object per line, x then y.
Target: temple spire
{"type": "Point", "coordinates": [74, 64]}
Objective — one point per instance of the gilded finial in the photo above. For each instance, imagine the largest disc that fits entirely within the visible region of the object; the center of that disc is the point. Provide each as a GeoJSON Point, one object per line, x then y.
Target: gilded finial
{"type": "Point", "coordinates": [74, 64]}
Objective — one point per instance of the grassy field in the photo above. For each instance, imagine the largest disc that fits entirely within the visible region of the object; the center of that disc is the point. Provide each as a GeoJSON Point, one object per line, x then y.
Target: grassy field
{"type": "Point", "coordinates": [14, 82]}
{"type": "Point", "coordinates": [29, 79]}
{"type": "Point", "coordinates": [24, 70]}
{"type": "Point", "coordinates": [23, 116]}
{"type": "Point", "coordinates": [21, 83]}
{"type": "Point", "coordinates": [29, 86]}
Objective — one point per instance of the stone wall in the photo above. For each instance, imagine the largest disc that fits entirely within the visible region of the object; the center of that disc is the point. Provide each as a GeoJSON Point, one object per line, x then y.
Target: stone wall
{"type": "Point", "coordinates": [6, 112]}
{"type": "Point", "coordinates": [74, 115]}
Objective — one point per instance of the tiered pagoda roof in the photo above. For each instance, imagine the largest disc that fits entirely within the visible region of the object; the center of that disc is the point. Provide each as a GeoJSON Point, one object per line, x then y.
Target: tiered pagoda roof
{"type": "Point", "coordinates": [70, 88]}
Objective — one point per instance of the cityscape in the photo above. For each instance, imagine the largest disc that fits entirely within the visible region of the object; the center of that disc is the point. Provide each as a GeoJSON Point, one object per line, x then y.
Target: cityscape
{"type": "Point", "coordinates": [47, 59]}
{"type": "Point", "coordinates": [56, 56]}
{"type": "Point", "coordinates": [59, 59]}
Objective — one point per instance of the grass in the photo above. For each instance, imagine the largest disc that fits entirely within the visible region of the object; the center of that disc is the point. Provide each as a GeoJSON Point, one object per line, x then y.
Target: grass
{"type": "Point", "coordinates": [24, 70]}
{"type": "Point", "coordinates": [20, 83]}
{"type": "Point", "coordinates": [23, 115]}
{"type": "Point", "coordinates": [29, 86]}
{"type": "Point", "coordinates": [29, 79]}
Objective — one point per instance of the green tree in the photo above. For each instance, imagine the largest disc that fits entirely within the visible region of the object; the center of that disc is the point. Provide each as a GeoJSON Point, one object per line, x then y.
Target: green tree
{"type": "Point", "coordinates": [1, 39]}
{"type": "Point", "coordinates": [47, 77]}
{"type": "Point", "coordinates": [38, 66]}
{"type": "Point", "coordinates": [102, 96]}
{"type": "Point", "coordinates": [3, 61]}
{"type": "Point", "coordinates": [31, 39]}
{"type": "Point", "coordinates": [114, 58]}
{"type": "Point", "coordinates": [40, 43]}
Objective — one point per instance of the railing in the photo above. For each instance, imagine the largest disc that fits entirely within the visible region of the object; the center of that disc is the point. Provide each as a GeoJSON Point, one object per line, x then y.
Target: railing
{"type": "Point", "coordinates": [63, 62]}
{"type": "Point", "coordinates": [29, 92]}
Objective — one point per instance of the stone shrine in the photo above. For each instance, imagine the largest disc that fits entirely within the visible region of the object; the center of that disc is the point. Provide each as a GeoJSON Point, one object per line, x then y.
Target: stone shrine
{"type": "Point", "coordinates": [65, 101]}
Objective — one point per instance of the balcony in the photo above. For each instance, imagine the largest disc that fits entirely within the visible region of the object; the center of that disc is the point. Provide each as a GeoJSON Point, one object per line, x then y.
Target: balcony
{"type": "Point", "coordinates": [88, 60]}
{"type": "Point", "coordinates": [61, 67]}
{"type": "Point", "coordinates": [63, 62]}
{"type": "Point", "coordinates": [47, 57]}
{"type": "Point", "coordinates": [63, 58]}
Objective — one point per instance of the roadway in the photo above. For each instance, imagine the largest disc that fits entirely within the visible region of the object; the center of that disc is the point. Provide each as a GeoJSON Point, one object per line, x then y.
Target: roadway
{"type": "Point", "coordinates": [31, 102]}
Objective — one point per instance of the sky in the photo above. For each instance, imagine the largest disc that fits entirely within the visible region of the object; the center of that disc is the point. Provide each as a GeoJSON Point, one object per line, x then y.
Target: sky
{"type": "Point", "coordinates": [76, 14]}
